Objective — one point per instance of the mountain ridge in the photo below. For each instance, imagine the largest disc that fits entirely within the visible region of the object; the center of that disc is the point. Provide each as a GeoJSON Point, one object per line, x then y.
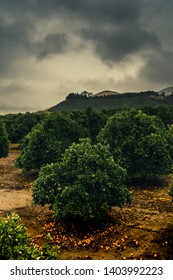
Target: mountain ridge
{"type": "Point", "coordinates": [108, 99]}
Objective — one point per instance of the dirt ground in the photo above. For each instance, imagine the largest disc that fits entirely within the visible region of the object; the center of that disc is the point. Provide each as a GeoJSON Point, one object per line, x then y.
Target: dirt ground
{"type": "Point", "coordinates": [144, 230]}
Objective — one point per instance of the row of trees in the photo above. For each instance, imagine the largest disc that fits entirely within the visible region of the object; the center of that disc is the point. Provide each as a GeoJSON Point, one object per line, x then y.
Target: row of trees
{"type": "Point", "coordinates": [140, 143]}
{"type": "Point", "coordinates": [4, 142]}
{"type": "Point", "coordinates": [19, 125]}
{"type": "Point", "coordinates": [83, 179]}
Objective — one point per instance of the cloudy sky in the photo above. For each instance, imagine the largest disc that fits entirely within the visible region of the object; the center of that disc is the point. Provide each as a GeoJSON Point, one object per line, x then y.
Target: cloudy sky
{"type": "Point", "coordinates": [49, 48]}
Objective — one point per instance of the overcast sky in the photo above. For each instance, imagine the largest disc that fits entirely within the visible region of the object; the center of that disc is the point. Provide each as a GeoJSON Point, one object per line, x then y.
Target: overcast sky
{"type": "Point", "coordinates": [49, 48]}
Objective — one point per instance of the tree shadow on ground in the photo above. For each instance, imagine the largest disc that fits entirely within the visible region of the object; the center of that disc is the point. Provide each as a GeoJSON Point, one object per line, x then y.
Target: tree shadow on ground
{"type": "Point", "coordinates": [162, 245]}
{"type": "Point", "coordinates": [149, 184]}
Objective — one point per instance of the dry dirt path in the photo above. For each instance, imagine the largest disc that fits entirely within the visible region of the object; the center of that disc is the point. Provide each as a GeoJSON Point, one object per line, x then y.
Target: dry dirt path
{"type": "Point", "coordinates": [15, 190]}
{"type": "Point", "coordinates": [142, 231]}
{"type": "Point", "coordinates": [14, 187]}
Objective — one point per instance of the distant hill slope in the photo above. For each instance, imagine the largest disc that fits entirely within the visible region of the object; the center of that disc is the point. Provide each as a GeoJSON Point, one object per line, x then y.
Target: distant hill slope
{"type": "Point", "coordinates": [106, 93]}
{"type": "Point", "coordinates": [102, 101]}
{"type": "Point", "coordinates": [167, 91]}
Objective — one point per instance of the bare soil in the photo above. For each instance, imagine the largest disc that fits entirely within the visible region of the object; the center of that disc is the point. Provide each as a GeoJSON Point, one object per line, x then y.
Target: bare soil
{"type": "Point", "coordinates": [144, 230]}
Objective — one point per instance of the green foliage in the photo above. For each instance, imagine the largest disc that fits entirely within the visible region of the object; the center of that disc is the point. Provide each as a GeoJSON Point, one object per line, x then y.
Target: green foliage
{"type": "Point", "coordinates": [169, 136]}
{"type": "Point", "coordinates": [19, 125]}
{"type": "Point", "coordinates": [4, 143]}
{"type": "Point", "coordinates": [95, 121]}
{"type": "Point", "coordinates": [165, 113]}
{"type": "Point", "coordinates": [47, 141]}
{"type": "Point", "coordinates": [84, 185]}
{"type": "Point", "coordinates": [171, 191]}
{"type": "Point", "coordinates": [139, 142]}
{"type": "Point", "coordinates": [90, 121]}
{"type": "Point", "coordinates": [15, 243]}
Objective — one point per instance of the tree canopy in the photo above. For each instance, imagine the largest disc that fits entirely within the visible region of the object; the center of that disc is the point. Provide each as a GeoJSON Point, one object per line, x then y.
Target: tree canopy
{"type": "Point", "coordinates": [84, 185]}
{"type": "Point", "coordinates": [139, 142]}
{"type": "Point", "coordinates": [47, 141]}
{"type": "Point", "coordinates": [19, 125]}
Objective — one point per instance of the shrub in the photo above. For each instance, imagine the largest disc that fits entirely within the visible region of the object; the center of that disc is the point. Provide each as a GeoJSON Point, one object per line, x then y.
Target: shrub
{"type": "Point", "coordinates": [84, 185]}
{"type": "Point", "coordinates": [15, 243]}
{"type": "Point", "coordinates": [47, 141]}
{"type": "Point", "coordinates": [4, 143]}
{"type": "Point", "coordinates": [139, 142]}
{"type": "Point", "coordinates": [19, 125]}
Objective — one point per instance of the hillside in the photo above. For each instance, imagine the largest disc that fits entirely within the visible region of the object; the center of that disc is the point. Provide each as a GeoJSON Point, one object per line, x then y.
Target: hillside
{"type": "Point", "coordinates": [106, 93]}
{"type": "Point", "coordinates": [107, 100]}
{"type": "Point", "coordinates": [167, 91]}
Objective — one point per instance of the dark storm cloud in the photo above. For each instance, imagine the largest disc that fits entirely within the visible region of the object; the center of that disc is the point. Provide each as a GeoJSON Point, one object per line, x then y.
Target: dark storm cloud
{"type": "Point", "coordinates": [93, 10]}
{"type": "Point", "coordinates": [157, 17]}
{"type": "Point", "coordinates": [13, 44]}
{"type": "Point", "coordinates": [115, 29]}
{"type": "Point", "coordinates": [18, 20]}
{"type": "Point", "coordinates": [112, 26]}
{"type": "Point", "coordinates": [159, 68]}
{"type": "Point", "coordinates": [118, 44]}
{"type": "Point", "coordinates": [52, 44]}
{"type": "Point", "coordinates": [16, 41]}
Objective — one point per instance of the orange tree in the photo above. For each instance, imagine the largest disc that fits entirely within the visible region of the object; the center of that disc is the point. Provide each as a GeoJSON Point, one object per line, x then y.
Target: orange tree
{"type": "Point", "coordinates": [47, 141]}
{"type": "Point", "coordinates": [141, 143]}
{"type": "Point", "coordinates": [16, 244]}
{"type": "Point", "coordinates": [4, 143]}
{"type": "Point", "coordinates": [84, 185]}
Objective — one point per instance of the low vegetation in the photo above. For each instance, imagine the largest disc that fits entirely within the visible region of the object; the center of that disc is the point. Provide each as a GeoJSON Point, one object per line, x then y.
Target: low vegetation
{"type": "Point", "coordinates": [84, 185]}
{"type": "Point", "coordinates": [15, 243]}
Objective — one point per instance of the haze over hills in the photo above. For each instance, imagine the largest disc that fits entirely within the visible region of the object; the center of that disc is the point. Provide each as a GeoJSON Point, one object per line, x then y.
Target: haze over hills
{"type": "Point", "coordinates": [108, 99]}
{"type": "Point", "coordinates": [106, 93]}
{"type": "Point", "coordinates": [167, 91]}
